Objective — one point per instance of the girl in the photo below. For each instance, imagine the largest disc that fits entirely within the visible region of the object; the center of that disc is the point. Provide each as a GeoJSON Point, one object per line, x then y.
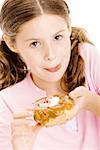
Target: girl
{"type": "Point", "coordinates": [40, 55]}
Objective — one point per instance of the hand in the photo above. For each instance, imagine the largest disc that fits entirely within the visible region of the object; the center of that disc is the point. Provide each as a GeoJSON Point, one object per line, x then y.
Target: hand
{"type": "Point", "coordinates": [23, 131]}
{"type": "Point", "coordinates": [84, 99]}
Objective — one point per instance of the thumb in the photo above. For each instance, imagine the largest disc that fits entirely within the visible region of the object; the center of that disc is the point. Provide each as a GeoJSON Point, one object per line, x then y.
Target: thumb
{"type": "Point", "coordinates": [36, 128]}
{"type": "Point", "coordinates": [78, 105]}
{"type": "Point", "coordinates": [75, 110]}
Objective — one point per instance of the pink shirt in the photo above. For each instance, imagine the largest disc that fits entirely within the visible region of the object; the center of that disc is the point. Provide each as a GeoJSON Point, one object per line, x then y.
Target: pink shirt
{"type": "Point", "coordinates": [20, 96]}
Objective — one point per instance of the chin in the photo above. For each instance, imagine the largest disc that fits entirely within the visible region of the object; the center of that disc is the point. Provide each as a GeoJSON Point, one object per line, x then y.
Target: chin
{"type": "Point", "coordinates": [55, 77]}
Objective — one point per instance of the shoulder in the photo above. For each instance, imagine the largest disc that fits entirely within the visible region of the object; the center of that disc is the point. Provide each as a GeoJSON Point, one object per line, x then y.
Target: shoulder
{"type": "Point", "coordinates": [88, 51]}
{"type": "Point", "coordinates": [14, 88]}
{"type": "Point", "coordinates": [91, 57]}
{"type": "Point", "coordinates": [17, 95]}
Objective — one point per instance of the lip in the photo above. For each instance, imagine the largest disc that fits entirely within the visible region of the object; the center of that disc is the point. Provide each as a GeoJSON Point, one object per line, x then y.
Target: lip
{"type": "Point", "coordinates": [54, 69]}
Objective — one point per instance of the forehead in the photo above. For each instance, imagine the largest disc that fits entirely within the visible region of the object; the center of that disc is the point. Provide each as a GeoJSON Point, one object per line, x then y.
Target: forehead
{"type": "Point", "coordinates": [43, 24]}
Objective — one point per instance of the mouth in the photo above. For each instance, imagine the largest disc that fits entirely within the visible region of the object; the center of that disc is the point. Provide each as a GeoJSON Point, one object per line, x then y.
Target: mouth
{"type": "Point", "coordinates": [54, 69]}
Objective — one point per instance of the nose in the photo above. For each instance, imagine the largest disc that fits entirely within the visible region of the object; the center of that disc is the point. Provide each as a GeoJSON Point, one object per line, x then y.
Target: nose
{"type": "Point", "coordinates": [50, 53]}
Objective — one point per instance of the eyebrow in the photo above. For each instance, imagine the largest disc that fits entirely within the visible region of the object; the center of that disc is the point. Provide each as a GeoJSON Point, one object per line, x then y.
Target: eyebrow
{"type": "Point", "coordinates": [31, 39]}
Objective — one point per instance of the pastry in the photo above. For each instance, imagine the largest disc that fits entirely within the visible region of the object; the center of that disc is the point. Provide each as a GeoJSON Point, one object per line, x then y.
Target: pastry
{"type": "Point", "coordinates": [53, 110]}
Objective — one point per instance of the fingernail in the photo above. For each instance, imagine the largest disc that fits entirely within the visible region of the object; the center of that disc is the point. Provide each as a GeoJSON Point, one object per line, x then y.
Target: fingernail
{"type": "Point", "coordinates": [39, 124]}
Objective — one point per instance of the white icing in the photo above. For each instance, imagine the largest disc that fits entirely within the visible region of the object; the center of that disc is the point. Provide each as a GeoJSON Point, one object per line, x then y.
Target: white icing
{"type": "Point", "coordinates": [53, 101]}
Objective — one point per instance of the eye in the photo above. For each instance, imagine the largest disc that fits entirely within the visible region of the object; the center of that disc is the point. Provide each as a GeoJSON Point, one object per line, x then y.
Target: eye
{"type": "Point", "coordinates": [35, 44]}
{"type": "Point", "coordinates": [58, 37]}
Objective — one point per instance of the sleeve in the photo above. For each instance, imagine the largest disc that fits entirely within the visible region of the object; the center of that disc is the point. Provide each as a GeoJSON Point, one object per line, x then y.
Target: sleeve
{"type": "Point", "coordinates": [97, 73]}
{"type": "Point", "coordinates": [5, 126]}
{"type": "Point", "coordinates": [91, 56]}
{"type": "Point", "coordinates": [95, 68]}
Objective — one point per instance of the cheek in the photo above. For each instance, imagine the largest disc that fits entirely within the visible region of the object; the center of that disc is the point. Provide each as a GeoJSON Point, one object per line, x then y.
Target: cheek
{"type": "Point", "coordinates": [66, 55]}
{"type": "Point", "coordinates": [66, 50]}
{"type": "Point", "coordinates": [66, 59]}
{"type": "Point", "coordinates": [29, 59]}
{"type": "Point", "coordinates": [66, 45]}
{"type": "Point", "coordinates": [32, 62]}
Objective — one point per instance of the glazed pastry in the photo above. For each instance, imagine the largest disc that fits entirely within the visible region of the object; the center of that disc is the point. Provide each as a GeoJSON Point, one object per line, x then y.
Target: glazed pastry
{"type": "Point", "coordinates": [52, 111]}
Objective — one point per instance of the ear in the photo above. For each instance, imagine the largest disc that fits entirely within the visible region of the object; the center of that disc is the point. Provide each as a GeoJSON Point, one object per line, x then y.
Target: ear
{"type": "Point", "coordinates": [9, 43]}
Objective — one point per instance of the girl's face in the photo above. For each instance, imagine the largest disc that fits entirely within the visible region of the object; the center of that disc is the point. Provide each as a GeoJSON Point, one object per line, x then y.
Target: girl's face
{"type": "Point", "coordinates": [44, 45]}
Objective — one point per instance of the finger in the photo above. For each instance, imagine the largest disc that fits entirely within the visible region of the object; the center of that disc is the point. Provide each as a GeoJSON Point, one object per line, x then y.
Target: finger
{"type": "Point", "coordinates": [78, 91]}
{"type": "Point", "coordinates": [75, 94]}
{"type": "Point", "coordinates": [23, 114]}
{"type": "Point", "coordinates": [38, 100]}
{"type": "Point", "coordinates": [30, 109]}
{"type": "Point", "coordinates": [76, 108]}
{"type": "Point", "coordinates": [68, 98]}
{"type": "Point", "coordinates": [37, 128]}
{"type": "Point", "coordinates": [20, 122]}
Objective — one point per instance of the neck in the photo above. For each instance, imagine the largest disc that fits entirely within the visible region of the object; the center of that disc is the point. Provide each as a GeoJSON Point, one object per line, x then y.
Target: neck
{"type": "Point", "coordinates": [51, 88]}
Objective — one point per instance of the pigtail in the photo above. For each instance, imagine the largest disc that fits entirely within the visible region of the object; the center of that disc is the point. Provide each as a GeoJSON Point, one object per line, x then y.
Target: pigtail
{"type": "Point", "coordinates": [74, 75]}
{"type": "Point", "coordinates": [12, 68]}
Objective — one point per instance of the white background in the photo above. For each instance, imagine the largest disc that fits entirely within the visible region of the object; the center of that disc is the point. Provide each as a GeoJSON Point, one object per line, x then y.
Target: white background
{"type": "Point", "coordinates": [85, 13]}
